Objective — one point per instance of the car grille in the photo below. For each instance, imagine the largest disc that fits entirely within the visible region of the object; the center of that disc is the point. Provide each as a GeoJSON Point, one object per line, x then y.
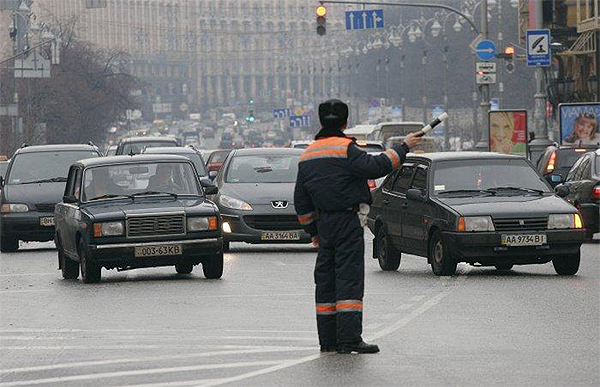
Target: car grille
{"type": "Point", "coordinates": [521, 224]}
{"type": "Point", "coordinates": [156, 225]}
{"type": "Point", "coordinates": [273, 222]}
{"type": "Point", "coordinates": [45, 207]}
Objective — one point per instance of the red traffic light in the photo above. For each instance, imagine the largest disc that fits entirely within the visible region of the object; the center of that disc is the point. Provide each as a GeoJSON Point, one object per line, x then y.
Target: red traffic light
{"type": "Point", "coordinates": [509, 50]}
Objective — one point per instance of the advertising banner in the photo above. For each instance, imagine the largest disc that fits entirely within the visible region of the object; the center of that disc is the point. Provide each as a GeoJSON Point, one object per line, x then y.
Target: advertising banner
{"type": "Point", "coordinates": [508, 132]}
{"type": "Point", "coordinates": [579, 123]}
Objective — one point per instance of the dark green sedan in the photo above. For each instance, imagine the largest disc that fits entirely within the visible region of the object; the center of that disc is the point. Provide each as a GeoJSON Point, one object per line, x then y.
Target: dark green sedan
{"type": "Point", "coordinates": [485, 209]}
{"type": "Point", "coordinates": [128, 212]}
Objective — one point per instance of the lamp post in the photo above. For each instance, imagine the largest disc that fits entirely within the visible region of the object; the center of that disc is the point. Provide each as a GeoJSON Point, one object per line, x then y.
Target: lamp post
{"type": "Point", "coordinates": [483, 144]}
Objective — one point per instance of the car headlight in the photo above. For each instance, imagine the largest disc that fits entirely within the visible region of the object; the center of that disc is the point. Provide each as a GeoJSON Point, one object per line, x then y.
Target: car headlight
{"type": "Point", "coordinates": [202, 223]}
{"type": "Point", "coordinates": [108, 229]}
{"type": "Point", "coordinates": [236, 204]}
{"type": "Point", "coordinates": [564, 221]}
{"type": "Point", "coordinates": [17, 207]}
{"type": "Point", "coordinates": [475, 223]}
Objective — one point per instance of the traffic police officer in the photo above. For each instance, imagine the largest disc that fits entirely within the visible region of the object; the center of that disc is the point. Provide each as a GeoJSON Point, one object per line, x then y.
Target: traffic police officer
{"type": "Point", "coordinates": [331, 185]}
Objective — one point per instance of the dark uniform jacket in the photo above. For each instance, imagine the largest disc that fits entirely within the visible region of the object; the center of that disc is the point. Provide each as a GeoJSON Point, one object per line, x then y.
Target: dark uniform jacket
{"type": "Point", "coordinates": [333, 174]}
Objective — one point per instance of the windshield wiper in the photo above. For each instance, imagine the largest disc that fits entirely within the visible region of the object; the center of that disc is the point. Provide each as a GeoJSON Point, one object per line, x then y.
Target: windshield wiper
{"type": "Point", "coordinates": [263, 169]}
{"type": "Point", "coordinates": [155, 193]}
{"type": "Point", "coordinates": [466, 191]}
{"type": "Point", "coordinates": [530, 190]}
{"type": "Point", "coordinates": [110, 196]}
{"type": "Point", "coordinates": [51, 180]}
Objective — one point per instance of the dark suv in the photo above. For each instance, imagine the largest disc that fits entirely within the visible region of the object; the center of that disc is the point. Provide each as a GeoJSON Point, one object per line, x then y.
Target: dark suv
{"type": "Point", "coordinates": [34, 183]}
{"type": "Point", "coordinates": [556, 162]}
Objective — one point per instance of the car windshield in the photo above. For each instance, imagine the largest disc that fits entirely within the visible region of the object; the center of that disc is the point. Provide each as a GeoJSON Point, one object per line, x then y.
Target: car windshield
{"type": "Point", "coordinates": [490, 174]}
{"type": "Point", "coordinates": [44, 166]}
{"type": "Point", "coordinates": [218, 157]}
{"type": "Point", "coordinates": [140, 179]}
{"type": "Point", "coordinates": [565, 159]}
{"type": "Point", "coordinates": [138, 147]}
{"type": "Point", "coordinates": [263, 169]}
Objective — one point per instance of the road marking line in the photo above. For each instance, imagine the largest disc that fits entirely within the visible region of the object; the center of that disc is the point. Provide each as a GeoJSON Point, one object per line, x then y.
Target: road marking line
{"type": "Point", "coordinates": [150, 371]}
{"type": "Point", "coordinates": [404, 307]}
{"type": "Point", "coordinates": [25, 291]}
{"type": "Point", "coordinates": [150, 358]}
{"type": "Point", "coordinates": [27, 274]}
{"type": "Point", "coordinates": [112, 347]}
{"type": "Point", "coordinates": [265, 331]}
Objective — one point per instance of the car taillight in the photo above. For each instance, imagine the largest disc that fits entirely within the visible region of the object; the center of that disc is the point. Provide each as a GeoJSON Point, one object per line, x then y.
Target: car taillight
{"type": "Point", "coordinates": [551, 162]}
{"type": "Point", "coordinates": [596, 192]}
{"type": "Point", "coordinates": [372, 184]}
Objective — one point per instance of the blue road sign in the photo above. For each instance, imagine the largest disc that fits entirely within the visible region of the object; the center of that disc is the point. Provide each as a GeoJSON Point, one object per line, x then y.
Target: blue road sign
{"type": "Point", "coordinates": [282, 113]}
{"type": "Point", "coordinates": [538, 48]}
{"type": "Point", "coordinates": [485, 50]}
{"type": "Point", "coordinates": [299, 121]}
{"type": "Point", "coordinates": [364, 19]}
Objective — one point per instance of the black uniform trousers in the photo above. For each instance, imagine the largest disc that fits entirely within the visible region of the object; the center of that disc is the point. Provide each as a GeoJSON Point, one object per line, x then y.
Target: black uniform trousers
{"type": "Point", "coordinates": [340, 278]}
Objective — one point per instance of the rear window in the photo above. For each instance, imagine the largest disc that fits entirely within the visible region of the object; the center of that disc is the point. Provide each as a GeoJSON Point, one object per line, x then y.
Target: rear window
{"type": "Point", "coordinates": [279, 168]}
{"type": "Point", "coordinates": [597, 170]}
{"type": "Point", "coordinates": [567, 158]}
{"type": "Point", "coordinates": [38, 166]}
{"type": "Point", "coordinates": [138, 147]}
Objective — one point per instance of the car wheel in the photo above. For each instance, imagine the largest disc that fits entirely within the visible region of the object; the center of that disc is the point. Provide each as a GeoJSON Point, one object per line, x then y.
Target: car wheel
{"type": "Point", "coordinates": [184, 268]}
{"type": "Point", "coordinates": [566, 264]}
{"type": "Point", "coordinates": [90, 271]}
{"type": "Point", "coordinates": [387, 255]}
{"type": "Point", "coordinates": [9, 244]}
{"type": "Point", "coordinates": [225, 246]}
{"type": "Point", "coordinates": [213, 267]}
{"type": "Point", "coordinates": [442, 262]}
{"type": "Point", "coordinates": [504, 266]}
{"type": "Point", "coordinates": [68, 267]}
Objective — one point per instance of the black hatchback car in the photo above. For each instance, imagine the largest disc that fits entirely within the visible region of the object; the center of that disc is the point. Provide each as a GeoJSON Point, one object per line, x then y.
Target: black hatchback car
{"type": "Point", "coordinates": [480, 208]}
{"type": "Point", "coordinates": [555, 163]}
{"type": "Point", "coordinates": [34, 183]}
{"type": "Point", "coordinates": [128, 212]}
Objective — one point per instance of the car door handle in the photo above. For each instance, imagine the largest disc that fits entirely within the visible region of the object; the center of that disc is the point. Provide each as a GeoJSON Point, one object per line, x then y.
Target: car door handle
{"type": "Point", "coordinates": [405, 205]}
{"type": "Point", "coordinates": [386, 201]}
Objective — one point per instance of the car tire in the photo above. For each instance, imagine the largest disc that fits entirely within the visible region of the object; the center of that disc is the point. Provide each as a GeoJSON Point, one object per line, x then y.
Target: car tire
{"type": "Point", "coordinates": [68, 267]}
{"type": "Point", "coordinates": [504, 266]}
{"type": "Point", "coordinates": [90, 270]}
{"type": "Point", "coordinates": [9, 244]}
{"type": "Point", "coordinates": [566, 264]}
{"type": "Point", "coordinates": [388, 256]}
{"type": "Point", "coordinates": [213, 267]}
{"type": "Point", "coordinates": [184, 268]}
{"type": "Point", "coordinates": [225, 246]}
{"type": "Point", "coordinates": [442, 263]}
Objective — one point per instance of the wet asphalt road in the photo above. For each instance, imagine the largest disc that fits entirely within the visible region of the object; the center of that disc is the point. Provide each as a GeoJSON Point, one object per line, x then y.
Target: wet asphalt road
{"type": "Point", "coordinates": [256, 326]}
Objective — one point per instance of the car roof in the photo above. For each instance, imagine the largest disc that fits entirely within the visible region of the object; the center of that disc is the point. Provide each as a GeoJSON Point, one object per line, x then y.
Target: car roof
{"type": "Point", "coordinates": [169, 150]}
{"type": "Point", "coordinates": [56, 147]}
{"type": "Point", "coordinates": [464, 155]}
{"type": "Point", "coordinates": [265, 151]}
{"type": "Point", "coordinates": [148, 139]}
{"type": "Point", "coordinates": [116, 160]}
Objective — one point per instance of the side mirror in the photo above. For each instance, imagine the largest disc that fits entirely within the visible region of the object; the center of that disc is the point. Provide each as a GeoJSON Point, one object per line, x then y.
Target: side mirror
{"type": "Point", "coordinates": [556, 178]}
{"type": "Point", "coordinates": [69, 199]}
{"type": "Point", "coordinates": [211, 190]}
{"type": "Point", "coordinates": [416, 195]}
{"type": "Point", "coordinates": [212, 175]}
{"type": "Point", "coordinates": [562, 190]}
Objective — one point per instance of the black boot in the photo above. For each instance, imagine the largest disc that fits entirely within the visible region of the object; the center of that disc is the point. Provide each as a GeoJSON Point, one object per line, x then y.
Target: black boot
{"type": "Point", "coordinates": [361, 347]}
{"type": "Point", "coordinates": [328, 348]}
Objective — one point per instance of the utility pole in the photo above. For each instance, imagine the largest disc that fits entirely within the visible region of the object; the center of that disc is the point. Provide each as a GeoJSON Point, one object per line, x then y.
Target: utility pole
{"type": "Point", "coordinates": [424, 83]}
{"type": "Point", "coordinates": [484, 143]}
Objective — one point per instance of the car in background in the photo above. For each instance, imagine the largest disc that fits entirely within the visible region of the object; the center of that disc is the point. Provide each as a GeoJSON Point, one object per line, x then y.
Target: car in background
{"type": "Point", "coordinates": [482, 208]}
{"type": "Point", "coordinates": [427, 144]}
{"type": "Point", "coordinates": [133, 223]}
{"type": "Point", "coordinates": [3, 165]}
{"type": "Point", "coordinates": [34, 183]}
{"type": "Point", "coordinates": [256, 197]}
{"type": "Point", "coordinates": [583, 190]}
{"type": "Point", "coordinates": [301, 144]}
{"type": "Point", "coordinates": [191, 137]}
{"type": "Point", "coordinates": [208, 133]}
{"type": "Point", "coordinates": [111, 151]}
{"type": "Point", "coordinates": [135, 145]}
{"type": "Point", "coordinates": [371, 146]}
{"type": "Point", "coordinates": [556, 162]}
{"type": "Point", "coordinates": [191, 153]}
{"type": "Point", "coordinates": [216, 159]}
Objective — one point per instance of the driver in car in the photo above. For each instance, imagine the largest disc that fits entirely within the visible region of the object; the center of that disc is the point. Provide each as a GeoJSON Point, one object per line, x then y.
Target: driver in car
{"type": "Point", "coordinates": [162, 180]}
{"type": "Point", "coordinates": [101, 185]}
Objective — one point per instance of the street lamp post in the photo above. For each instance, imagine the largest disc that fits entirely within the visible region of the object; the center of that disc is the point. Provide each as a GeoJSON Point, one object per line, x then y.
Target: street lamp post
{"type": "Point", "coordinates": [483, 144]}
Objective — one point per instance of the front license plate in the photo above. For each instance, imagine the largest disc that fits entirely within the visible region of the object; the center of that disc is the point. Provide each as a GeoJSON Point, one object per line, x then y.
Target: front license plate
{"type": "Point", "coordinates": [155, 251]}
{"type": "Point", "coordinates": [280, 236]}
{"type": "Point", "coordinates": [523, 239]}
{"type": "Point", "coordinates": [47, 221]}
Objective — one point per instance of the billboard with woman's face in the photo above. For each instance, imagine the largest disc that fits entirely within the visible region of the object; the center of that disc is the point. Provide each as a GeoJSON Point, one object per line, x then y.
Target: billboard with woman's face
{"type": "Point", "coordinates": [508, 132]}
{"type": "Point", "coordinates": [579, 123]}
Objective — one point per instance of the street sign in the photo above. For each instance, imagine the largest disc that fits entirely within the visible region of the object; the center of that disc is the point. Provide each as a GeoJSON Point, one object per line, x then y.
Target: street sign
{"type": "Point", "coordinates": [299, 121]}
{"type": "Point", "coordinates": [486, 67]}
{"type": "Point", "coordinates": [485, 79]}
{"type": "Point", "coordinates": [494, 104]}
{"type": "Point", "coordinates": [34, 66]}
{"type": "Point", "coordinates": [364, 19]}
{"type": "Point", "coordinates": [161, 108]}
{"type": "Point", "coordinates": [485, 50]}
{"type": "Point", "coordinates": [538, 48]}
{"type": "Point", "coordinates": [282, 113]}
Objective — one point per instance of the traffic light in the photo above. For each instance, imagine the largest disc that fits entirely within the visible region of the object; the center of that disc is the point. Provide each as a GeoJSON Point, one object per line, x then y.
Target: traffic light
{"type": "Point", "coordinates": [321, 20]}
{"type": "Point", "coordinates": [250, 117]}
{"type": "Point", "coordinates": [508, 56]}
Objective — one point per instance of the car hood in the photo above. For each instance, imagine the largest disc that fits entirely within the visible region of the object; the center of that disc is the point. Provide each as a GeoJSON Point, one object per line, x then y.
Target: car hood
{"type": "Point", "coordinates": [34, 193]}
{"type": "Point", "coordinates": [118, 209]}
{"type": "Point", "coordinates": [509, 206]}
{"type": "Point", "coordinates": [259, 193]}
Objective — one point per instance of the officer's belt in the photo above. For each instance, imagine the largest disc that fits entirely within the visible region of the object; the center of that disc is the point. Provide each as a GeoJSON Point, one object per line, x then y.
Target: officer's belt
{"type": "Point", "coordinates": [349, 209]}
